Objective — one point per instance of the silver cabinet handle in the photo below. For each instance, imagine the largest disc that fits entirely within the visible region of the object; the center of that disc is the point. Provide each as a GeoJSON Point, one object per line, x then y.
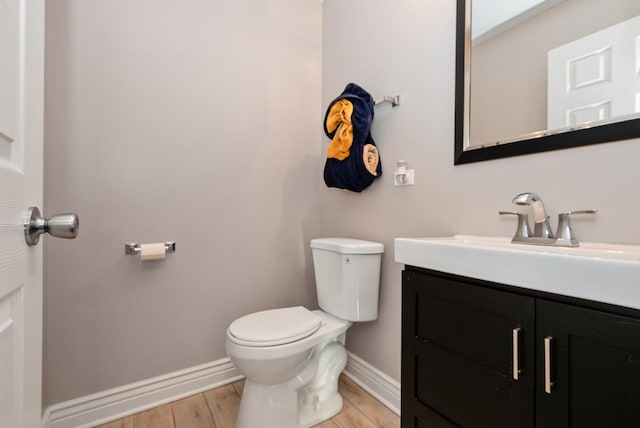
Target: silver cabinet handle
{"type": "Point", "coordinates": [516, 354]}
{"type": "Point", "coordinates": [548, 342]}
{"type": "Point", "coordinates": [61, 226]}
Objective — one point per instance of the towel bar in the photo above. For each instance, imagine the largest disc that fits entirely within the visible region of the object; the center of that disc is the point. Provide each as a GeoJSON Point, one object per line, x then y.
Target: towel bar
{"type": "Point", "coordinates": [393, 100]}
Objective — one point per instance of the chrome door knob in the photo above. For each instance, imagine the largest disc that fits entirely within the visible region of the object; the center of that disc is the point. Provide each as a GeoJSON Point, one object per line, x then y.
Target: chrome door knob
{"type": "Point", "coordinates": [61, 226]}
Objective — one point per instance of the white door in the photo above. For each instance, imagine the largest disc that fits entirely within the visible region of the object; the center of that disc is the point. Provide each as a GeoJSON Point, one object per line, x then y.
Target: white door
{"type": "Point", "coordinates": [21, 128]}
{"type": "Point", "coordinates": [596, 77]}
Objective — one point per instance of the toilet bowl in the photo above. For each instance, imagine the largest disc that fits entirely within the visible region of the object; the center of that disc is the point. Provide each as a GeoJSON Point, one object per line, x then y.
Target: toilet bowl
{"type": "Point", "coordinates": [279, 391]}
{"type": "Point", "coordinates": [292, 357]}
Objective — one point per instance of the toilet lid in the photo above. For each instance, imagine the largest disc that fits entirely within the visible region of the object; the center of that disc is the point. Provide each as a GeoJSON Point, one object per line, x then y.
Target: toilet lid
{"type": "Point", "coordinates": [274, 327]}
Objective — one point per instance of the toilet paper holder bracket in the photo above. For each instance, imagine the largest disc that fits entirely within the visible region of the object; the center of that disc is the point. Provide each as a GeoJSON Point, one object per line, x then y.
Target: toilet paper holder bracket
{"type": "Point", "coordinates": [134, 247]}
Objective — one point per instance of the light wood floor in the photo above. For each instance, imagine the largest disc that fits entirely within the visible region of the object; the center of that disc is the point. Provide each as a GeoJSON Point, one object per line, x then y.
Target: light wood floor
{"type": "Point", "coordinates": [217, 408]}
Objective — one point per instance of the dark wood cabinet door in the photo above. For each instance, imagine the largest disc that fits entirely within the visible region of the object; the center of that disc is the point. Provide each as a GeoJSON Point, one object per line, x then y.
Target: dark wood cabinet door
{"type": "Point", "coordinates": [594, 363]}
{"type": "Point", "coordinates": [458, 355]}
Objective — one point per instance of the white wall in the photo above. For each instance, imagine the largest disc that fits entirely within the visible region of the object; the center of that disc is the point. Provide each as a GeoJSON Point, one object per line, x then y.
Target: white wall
{"type": "Point", "coordinates": [189, 121]}
{"type": "Point", "coordinates": [407, 47]}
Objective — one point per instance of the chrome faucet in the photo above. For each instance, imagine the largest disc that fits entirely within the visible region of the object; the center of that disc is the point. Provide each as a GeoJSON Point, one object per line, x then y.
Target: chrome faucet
{"type": "Point", "coordinates": [542, 234]}
{"type": "Point", "coordinates": [542, 228]}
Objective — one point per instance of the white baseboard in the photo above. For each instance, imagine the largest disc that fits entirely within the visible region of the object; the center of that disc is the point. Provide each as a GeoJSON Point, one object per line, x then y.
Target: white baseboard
{"type": "Point", "coordinates": [106, 406]}
{"type": "Point", "coordinates": [383, 388]}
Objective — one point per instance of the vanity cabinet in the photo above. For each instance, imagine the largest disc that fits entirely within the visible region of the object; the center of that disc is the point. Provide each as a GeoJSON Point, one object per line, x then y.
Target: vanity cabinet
{"type": "Point", "coordinates": [481, 355]}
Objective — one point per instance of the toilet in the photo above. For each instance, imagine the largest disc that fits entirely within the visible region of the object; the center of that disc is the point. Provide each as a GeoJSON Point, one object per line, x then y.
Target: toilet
{"type": "Point", "coordinates": [292, 357]}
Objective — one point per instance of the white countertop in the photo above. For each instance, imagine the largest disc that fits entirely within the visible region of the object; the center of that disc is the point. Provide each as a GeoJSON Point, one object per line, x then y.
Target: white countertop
{"type": "Point", "coordinates": [602, 272]}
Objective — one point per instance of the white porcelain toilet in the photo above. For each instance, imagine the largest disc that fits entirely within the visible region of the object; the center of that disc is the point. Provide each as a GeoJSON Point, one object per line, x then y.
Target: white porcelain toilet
{"type": "Point", "coordinates": [292, 357]}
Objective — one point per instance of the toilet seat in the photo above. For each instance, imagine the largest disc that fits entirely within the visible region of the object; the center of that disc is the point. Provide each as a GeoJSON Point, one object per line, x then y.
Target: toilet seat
{"type": "Point", "coordinates": [274, 327]}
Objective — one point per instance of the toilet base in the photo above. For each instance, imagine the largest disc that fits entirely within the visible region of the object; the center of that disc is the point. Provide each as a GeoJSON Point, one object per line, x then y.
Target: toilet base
{"type": "Point", "coordinates": [279, 408]}
{"type": "Point", "coordinates": [313, 415]}
{"type": "Point", "coordinates": [267, 406]}
{"type": "Point", "coordinates": [306, 400]}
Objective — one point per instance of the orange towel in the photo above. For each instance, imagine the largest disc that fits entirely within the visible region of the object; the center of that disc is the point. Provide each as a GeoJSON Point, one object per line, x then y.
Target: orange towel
{"type": "Point", "coordinates": [339, 118]}
{"type": "Point", "coordinates": [371, 158]}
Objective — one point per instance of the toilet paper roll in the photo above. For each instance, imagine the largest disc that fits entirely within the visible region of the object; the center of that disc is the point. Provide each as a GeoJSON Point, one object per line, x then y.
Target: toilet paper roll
{"type": "Point", "coordinates": [152, 251]}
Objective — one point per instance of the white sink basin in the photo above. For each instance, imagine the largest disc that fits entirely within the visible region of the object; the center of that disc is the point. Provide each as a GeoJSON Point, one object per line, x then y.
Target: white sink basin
{"type": "Point", "coordinates": [602, 272]}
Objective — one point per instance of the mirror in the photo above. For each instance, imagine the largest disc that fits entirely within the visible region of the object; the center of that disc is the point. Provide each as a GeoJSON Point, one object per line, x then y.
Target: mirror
{"type": "Point", "coordinates": [540, 75]}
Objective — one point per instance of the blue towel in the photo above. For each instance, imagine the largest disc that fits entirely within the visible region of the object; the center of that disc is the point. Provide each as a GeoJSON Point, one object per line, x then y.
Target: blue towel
{"type": "Point", "coordinates": [351, 173]}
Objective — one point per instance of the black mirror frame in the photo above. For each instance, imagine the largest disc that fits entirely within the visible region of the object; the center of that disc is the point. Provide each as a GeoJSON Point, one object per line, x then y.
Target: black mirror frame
{"type": "Point", "coordinates": [616, 131]}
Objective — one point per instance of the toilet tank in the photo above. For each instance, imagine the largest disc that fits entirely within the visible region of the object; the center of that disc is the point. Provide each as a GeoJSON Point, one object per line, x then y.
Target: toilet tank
{"type": "Point", "coordinates": [347, 277]}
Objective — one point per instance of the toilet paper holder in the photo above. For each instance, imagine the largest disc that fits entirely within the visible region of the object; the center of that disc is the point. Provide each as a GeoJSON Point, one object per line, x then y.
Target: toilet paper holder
{"type": "Point", "coordinates": [134, 247]}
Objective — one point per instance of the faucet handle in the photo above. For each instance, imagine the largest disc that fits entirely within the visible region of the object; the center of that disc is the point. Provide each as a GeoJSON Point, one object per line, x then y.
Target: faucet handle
{"type": "Point", "coordinates": [523, 224]}
{"type": "Point", "coordinates": [564, 232]}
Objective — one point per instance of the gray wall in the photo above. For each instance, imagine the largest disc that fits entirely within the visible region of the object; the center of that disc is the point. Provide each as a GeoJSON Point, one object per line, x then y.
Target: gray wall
{"type": "Point", "coordinates": [407, 47]}
{"type": "Point", "coordinates": [189, 121]}
{"type": "Point", "coordinates": [157, 129]}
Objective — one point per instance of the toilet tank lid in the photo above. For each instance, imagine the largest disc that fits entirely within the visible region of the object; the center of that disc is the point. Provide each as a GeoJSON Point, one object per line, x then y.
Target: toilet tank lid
{"type": "Point", "coordinates": [348, 245]}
